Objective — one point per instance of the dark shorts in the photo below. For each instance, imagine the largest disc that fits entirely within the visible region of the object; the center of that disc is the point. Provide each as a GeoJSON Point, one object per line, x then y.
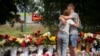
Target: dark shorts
{"type": "Point", "coordinates": [73, 40]}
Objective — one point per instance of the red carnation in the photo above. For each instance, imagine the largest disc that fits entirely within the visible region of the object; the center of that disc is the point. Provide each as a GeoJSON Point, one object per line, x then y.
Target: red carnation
{"type": "Point", "coordinates": [23, 44]}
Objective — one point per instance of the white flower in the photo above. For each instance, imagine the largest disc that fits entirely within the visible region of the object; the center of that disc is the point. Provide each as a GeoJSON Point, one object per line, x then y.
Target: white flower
{"type": "Point", "coordinates": [47, 34]}
{"type": "Point", "coordinates": [95, 42]}
{"type": "Point", "coordinates": [27, 40]}
{"type": "Point", "coordinates": [88, 35]}
{"type": "Point", "coordinates": [98, 36]}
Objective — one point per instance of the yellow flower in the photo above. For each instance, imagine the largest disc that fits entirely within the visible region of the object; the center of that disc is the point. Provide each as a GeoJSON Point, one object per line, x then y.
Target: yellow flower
{"type": "Point", "coordinates": [20, 40]}
{"type": "Point", "coordinates": [2, 42]}
{"type": "Point", "coordinates": [85, 35]}
{"type": "Point", "coordinates": [52, 38]}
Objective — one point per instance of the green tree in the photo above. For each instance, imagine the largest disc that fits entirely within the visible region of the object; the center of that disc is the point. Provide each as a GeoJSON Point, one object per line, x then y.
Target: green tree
{"type": "Point", "coordinates": [88, 11]}
{"type": "Point", "coordinates": [7, 6]}
{"type": "Point", "coordinates": [9, 10]}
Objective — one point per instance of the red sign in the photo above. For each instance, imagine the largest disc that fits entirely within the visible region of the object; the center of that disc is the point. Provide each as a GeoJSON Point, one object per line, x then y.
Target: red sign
{"type": "Point", "coordinates": [36, 17]}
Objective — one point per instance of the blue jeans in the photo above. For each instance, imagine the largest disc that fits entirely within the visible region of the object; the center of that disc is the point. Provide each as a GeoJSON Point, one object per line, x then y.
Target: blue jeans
{"type": "Point", "coordinates": [62, 43]}
{"type": "Point", "coordinates": [73, 40]}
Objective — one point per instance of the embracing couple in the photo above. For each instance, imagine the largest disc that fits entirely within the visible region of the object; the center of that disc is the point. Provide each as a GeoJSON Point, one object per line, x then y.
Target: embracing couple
{"type": "Point", "coordinates": [68, 32]}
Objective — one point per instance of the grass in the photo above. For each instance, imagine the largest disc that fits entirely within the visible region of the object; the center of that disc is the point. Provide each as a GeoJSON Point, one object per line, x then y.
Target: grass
{"type": "Point", "coordinates": [16, 30]}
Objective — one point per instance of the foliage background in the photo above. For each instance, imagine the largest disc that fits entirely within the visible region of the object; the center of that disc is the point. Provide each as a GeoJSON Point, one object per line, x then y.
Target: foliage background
{"type": "Point", "coordinates": [87, 9]}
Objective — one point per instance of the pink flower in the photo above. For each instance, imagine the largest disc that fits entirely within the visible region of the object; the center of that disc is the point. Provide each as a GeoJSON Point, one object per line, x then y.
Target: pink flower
{"type": "Point", "coordinates": [45, 54]}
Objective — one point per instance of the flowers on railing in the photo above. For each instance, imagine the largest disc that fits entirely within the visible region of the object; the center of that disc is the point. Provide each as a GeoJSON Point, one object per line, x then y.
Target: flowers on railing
{"type": "Point", "coordinates": [3, 39]}
{"type": "Point", "coordinates": [15, 41]}
{"type": "Point", "coordinates": [45, 39]}
{"type": "Point", "coordinates": [26, 40]}
{"type": "Point", "coordinates": [87, 40]}
{"type": "Point", "coordinates": [88, 37]}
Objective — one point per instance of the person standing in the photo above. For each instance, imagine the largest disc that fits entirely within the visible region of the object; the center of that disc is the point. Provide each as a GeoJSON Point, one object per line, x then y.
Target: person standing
{"type": "Point", "coordinates": [63, 34]}
{"type": "Point", "coordinates": [73, 32]}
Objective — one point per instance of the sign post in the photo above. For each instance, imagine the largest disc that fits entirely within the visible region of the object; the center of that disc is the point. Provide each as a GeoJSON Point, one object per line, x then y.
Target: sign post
{"type": "Point", "coordinates": [24, 27]}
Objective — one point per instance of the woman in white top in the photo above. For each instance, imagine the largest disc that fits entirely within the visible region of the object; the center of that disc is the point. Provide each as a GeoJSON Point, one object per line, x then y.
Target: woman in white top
{"type": "Point", "coordinates": [63, 34]}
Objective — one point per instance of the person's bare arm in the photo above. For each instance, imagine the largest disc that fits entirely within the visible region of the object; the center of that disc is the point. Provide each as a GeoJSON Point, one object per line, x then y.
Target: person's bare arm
{"type": "Point", "coordinates": [76, 25]}
{"type": "Point", "coordinates": [66, 17]}
{"type": "Point", "coordinates": [62, 19]}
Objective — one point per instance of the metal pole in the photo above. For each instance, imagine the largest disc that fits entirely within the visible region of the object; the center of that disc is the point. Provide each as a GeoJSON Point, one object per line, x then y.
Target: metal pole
{"type": "Point", "coordinates": [24, 27]}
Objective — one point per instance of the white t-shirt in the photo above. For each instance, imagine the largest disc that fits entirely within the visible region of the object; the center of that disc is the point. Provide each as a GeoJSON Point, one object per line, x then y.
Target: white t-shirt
{"type": "Point", "coordinates": [66, 27]}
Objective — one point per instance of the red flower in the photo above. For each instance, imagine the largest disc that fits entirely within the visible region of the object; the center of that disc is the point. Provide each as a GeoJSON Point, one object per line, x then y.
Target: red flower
{"type": "Point", "coordinates": [38, 41]}
{"type": "Point", "coordinates": [35, 34]}
{"type": "Point", "coordinates": [97, 33]}
{"type": "Point", "coordinates": [38, 31]}
{"type": "Point", "coordinates": [7, 42]}
{"type": "Point", "coordinates": [46, 54]}
{"type": "Point", "coordinates": [81, 33]}
{"type": "Point", "coordinates": [23, 44]}
{"type": "Point", "coordinates": [6, 36]}
{"type": "Point", "coordinates": [89, 39]}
